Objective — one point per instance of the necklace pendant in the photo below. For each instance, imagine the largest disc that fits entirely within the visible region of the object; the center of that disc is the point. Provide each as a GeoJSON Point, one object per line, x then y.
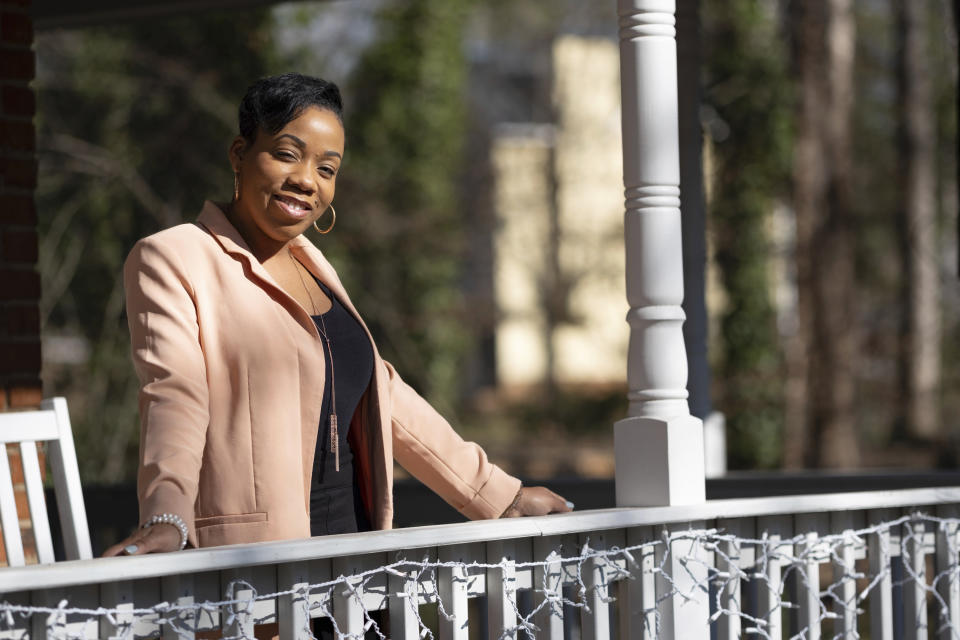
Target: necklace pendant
{"type": "Point", "coordinates": [334, 442]}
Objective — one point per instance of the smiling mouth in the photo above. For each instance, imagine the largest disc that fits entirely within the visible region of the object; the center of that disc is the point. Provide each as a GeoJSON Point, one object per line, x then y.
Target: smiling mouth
{"type": "Point", "coordinates": [293, 206]}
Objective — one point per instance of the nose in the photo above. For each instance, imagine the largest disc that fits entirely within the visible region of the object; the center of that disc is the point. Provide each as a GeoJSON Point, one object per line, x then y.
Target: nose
{"type": "Point", "coordinates": [303, 179]}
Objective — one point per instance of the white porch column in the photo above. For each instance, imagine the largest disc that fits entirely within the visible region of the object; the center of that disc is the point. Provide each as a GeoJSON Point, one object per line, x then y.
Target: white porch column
{"type": "Point", "coordinates": [659, 447]}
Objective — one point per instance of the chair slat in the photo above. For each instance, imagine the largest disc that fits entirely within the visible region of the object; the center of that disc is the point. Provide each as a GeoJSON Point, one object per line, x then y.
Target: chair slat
{"type": "Point", "coordinates": [66, 477]}
{"type": "Point", "coordinates": [17, 426]}
{"type": "Point", "coordinates": [37, 501]}
{"type": "Point", "coordinates": [9, 520]}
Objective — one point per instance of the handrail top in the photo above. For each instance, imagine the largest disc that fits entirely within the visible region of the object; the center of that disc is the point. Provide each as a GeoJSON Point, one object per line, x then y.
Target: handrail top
{"type": "Point", "coordinates": [13, 579]}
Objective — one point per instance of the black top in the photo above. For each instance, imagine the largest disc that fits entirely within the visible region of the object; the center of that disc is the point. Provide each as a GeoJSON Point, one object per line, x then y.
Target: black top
{"type": "Point", "coordinates": [335, 502]}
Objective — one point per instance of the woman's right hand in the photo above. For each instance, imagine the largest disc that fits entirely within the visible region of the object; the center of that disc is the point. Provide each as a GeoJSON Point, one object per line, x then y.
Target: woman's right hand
{"type": "Point", "coordinates": [154, 539]}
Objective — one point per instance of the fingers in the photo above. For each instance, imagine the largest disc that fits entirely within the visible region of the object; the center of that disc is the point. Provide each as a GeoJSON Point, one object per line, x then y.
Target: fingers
{"type": "Point", "coordinates": [560, 504]}
{"type": "Point", "coordinates": [159, 537]}
{"type": "Point", "coordinates": [129, 546]}
{"type": "Point", "coordinates": [540, 501]}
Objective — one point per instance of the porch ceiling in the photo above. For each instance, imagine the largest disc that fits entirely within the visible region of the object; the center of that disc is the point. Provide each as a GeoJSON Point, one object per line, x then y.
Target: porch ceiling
{"type": "Point", "coordinates": [54, 14]}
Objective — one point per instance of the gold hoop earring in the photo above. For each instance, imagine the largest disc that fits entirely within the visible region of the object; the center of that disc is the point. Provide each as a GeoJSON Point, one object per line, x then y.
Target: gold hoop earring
{"type": "Point", "coordinates": [333, 212]}
{"type": "Point", "coordinates": [236, 185]}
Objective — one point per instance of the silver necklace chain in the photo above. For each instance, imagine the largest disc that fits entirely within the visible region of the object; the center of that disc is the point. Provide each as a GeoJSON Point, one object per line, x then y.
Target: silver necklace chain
{"type": "Point", "coordinates": [334, 435]}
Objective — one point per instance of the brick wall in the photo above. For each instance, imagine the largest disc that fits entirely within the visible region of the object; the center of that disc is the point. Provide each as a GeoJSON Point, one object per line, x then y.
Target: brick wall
{"type": "Point", "coordinates": [20, 386]}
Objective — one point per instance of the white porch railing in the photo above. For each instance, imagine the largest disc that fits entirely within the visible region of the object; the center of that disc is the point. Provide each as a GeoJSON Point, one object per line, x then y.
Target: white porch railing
{"type": "Point", "coordinates": [807, 566]}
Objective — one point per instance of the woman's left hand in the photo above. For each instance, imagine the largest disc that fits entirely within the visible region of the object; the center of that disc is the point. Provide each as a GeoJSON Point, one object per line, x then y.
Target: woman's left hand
{"type": "Point", "coordinates": [537, 501]}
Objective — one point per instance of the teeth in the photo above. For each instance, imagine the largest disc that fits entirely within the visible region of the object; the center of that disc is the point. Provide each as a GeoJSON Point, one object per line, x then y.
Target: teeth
{"type": "Point", "coordinates": [295, 204]}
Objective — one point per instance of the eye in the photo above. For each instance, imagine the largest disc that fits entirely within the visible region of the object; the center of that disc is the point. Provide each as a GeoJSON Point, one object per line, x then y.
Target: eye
{"type": "Point", "coordinates": [285, 155]}
{"type": "Point", "coordinates": [327, 171]}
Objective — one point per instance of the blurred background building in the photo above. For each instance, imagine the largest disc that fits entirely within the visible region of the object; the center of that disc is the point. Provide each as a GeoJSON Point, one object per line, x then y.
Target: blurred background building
{"type": "Point", "coordinates": [558, 246]}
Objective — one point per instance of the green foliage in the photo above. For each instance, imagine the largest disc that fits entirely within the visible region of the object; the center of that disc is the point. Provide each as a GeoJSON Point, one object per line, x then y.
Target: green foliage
{"type": "Point", "coordinates": [746, 85]}
{"type": "Point", "coordinates": [133, 129]}
{"type": "Point", "coordinates": [398, 195]}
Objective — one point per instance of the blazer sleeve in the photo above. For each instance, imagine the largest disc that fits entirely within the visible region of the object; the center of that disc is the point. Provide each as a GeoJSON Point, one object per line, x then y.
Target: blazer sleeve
{"type": "Point", "coordinates": [426, 445]}
{"type": "Point", "coordinates": [173, 399]}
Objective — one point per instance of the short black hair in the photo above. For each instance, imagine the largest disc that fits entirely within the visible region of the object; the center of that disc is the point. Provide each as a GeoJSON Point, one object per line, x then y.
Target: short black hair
{"type": "Point", "coordinates": [271, 102]}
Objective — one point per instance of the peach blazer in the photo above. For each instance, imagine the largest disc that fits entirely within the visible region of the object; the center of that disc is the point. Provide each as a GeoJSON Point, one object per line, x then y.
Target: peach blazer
{"type": "Point", "coordinates": [232, 371]}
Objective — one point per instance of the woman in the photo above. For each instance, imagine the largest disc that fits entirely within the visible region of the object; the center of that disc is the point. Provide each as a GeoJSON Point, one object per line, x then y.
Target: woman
{"type": "Point", "coordinates": [266, 411]}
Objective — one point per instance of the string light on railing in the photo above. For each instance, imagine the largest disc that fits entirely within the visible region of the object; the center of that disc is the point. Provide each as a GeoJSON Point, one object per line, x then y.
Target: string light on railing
{"type": "Point", "coordinates": [689, 549]}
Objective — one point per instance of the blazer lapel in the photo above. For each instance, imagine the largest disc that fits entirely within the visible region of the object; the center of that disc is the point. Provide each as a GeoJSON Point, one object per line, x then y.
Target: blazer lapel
{"type": "Point", "coordinates": [213, 219]}
{"type": "Point", "coordinates": [311, 257]}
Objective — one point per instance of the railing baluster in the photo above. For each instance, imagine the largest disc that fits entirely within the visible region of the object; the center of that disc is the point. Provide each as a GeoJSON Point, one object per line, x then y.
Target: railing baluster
{"type": "Point", "coordinates": [728, 561]}
{"type": "Point", "coordinates": [843, 569]}
{"type": "Point", "coordinates": [15, 627]}
{"type": "Point", "coordinates": [548, 587]}
{"type": "Point", "coordinates": [501, 589]}
{"type": "Point", "coordinates": [915, 580]}
{"type": "Point", "coordinates": [293, 611]}
{"type": "Point", "coordinates": [597, 573]}
{"type": "Point", "coordinates": [808, 582]}
{"type": "Point", "coordinates": [881, 595]}
{"type": "Point", "coordinates": [453, 593]}
{"type": "Point", "coordinates": [684, 597]}
{"type": "Point", "coordinates": [117, 596]}
{"type": "Point", "coordinates": [47, 626]}
{"type": "Point", "coordinates": [178, 590]}
{"type": "Point", "coordinates": [637, 596]}
{"type": "Point", "coordinates": [236, 619]}
{"type": "Point", "coordinates": [777, 529]}
{"type": "Point", "coordinates": [207, 588]}
{"type": "Point", "coordinates": [319, 602]}
{"type": "Point", "coordinates": [404, 599]}
{"type": "Point", "coordinates": [348, 609]}
{"type": "Point", "coordinates": [947, 557]}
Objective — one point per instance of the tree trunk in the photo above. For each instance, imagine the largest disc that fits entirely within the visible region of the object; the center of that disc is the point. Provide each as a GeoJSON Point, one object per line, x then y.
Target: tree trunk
{"type": "Point", "coordinates": [956, 39]}
{"type": "Point", "coordinates": [920, 324]}
{"type": "Point", "coordinates": [821, 425]}
{"type": "Point", "coordinates": [809, 178]}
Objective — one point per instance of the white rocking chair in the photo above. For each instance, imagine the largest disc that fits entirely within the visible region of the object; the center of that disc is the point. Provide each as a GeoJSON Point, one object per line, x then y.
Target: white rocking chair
{"type": "Point", "coordinates": [50, 424]}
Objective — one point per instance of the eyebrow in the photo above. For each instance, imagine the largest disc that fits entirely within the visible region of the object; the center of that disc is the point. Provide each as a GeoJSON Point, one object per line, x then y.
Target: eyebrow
{"type": "Point", "coordinates": [303, 145]}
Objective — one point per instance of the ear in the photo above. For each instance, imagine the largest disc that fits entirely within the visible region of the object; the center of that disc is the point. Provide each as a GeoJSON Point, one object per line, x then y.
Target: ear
{"type": "Point", "coordinates": [235, 152]}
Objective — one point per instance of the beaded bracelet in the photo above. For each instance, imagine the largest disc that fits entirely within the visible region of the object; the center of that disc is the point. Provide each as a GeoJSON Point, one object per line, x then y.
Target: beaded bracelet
{"type": "Point", "coordinates": [170, 518]}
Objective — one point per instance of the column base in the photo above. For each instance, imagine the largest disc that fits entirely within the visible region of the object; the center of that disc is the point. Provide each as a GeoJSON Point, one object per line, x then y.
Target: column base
{"type": "Point", "coordinates": [659, 461]}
